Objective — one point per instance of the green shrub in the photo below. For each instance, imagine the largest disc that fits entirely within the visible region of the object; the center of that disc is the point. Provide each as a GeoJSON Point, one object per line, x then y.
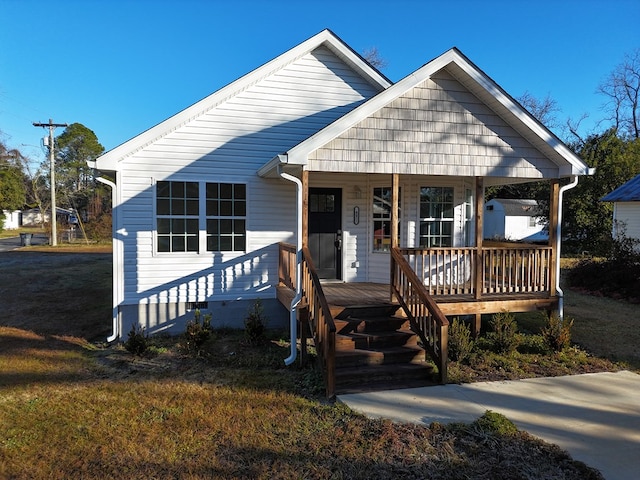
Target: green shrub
{"type": "Point", "coordinates": [197, 332]}
{"type": "Point", "coordinates": [255, 324]}
{"type": "Point", "coordinates": [460, 343]}
{"type": "Point", "coordinates": [533, 344]}
{"type": "Point", "coordinates": [495, 423]}
{"type": "Point", "coordinates": [137, 342]}
{"type": "Point", "coordinates": [557, 333]}
{"type": "Point", "coordinates": [504, 338]}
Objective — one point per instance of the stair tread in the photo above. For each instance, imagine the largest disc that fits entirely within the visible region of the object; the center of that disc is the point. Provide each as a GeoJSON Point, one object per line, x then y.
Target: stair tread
{"type": "Point", "coordinates": [384, 377]}
{"type": "Point", "coordinates": [394, 333]}
{"type": "Point", "coordinates": [391, 367]}
{"type": "Point", "coordinates": [378, 351]}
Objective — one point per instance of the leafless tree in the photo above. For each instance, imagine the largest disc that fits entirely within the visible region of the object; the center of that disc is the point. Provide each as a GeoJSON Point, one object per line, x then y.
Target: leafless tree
{"type": "Point", "coordinates": [372, 55]}
{"type": "Point", "coordinates": [544, 110]}
{"type": "Point", "coordinates": [622, 88]}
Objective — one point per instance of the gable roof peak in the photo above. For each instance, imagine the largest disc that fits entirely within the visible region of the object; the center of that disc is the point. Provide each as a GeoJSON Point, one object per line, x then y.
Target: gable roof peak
{"type": "Point", "coordinates": [325, 38]}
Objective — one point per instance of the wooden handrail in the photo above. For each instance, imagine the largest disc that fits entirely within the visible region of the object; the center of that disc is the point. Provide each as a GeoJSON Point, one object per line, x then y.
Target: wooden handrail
{"type": "Point", "coordinates": [426, 318]}
{"type": "Point", "coordinates": [287, 265]}
{"type": "Point", "coordinates": [320, 321]}
{"type": "Point", "coordinates": [313, 309]}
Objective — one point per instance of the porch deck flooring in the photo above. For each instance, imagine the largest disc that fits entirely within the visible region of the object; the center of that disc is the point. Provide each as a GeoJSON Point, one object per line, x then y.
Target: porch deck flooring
{"type": "Point", "coordinates": [359, 294]}
{"type": "Point", "coordinates": [354, 294]}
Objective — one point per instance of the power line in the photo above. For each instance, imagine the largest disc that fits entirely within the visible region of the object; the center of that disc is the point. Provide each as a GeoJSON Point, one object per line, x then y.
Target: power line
{"type": "Point", "coordinates": [52, 126]}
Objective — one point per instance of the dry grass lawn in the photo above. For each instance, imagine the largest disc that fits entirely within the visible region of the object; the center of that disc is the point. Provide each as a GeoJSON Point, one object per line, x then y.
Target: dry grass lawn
{"type": "Point", "coordinates": [70, 408]}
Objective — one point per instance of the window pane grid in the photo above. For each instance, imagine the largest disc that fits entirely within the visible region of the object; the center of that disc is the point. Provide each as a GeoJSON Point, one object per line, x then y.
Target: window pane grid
{"type": "Point", "coordinates": [382, 218]}
{"type": "Point", "coordinates": [226, 208]}
{"type": "Point", "coordinates": [436, 217]}
{"type": "Point", "coordinates": [177, 209]}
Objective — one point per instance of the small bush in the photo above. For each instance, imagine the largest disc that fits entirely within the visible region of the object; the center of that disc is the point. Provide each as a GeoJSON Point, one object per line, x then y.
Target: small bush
{"type": "Point", "coordinates": [504, 338]}
{"type": "Point", "coordinates": [533, 344]}
{"type": "Point", "coordinates": [255, 324]}
{"type": "Point", "coordinates": [557, 333]}
{"type": "Point", "coordinates": [460, 342]}
{"type": "Point", "coordinates": [137, 342]}
{"type": "Point", "coordinates": [197, 332]}
{"type": "Point", "coordinates": [495, 423]}
{"type": "Point", "coordinates": [99, 228]}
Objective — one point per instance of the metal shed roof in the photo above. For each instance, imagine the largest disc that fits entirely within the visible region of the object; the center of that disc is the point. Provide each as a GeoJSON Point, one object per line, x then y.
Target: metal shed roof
{"type": "Point", "coordinates": [627, 192]}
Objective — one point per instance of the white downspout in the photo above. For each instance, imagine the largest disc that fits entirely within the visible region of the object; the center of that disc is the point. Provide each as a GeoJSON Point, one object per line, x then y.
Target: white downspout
{"type": "Point", "coordinates": [559, 291]}
{"type": "Point", "coordinates": [293, 311]}
{"type": "Point", "coordinates": [116, 255]}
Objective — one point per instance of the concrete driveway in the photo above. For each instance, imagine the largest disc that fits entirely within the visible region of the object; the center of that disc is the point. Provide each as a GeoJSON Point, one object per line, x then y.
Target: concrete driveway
{"type": "Point", "coordinates": [595, 417]}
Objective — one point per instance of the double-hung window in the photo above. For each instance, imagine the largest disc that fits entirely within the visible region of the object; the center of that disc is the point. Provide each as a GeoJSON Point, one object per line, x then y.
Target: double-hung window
{"type": "Point", "coordinates": [436, 216]}
{"type": "Point", "coordinates": [180, 206]}
{"type": "Point", "coordinates": [226, 217]}
{"type": "Point", "coordinates": [177, 216]}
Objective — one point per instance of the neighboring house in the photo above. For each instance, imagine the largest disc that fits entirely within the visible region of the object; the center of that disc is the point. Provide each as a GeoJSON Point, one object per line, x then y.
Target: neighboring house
{"type": "Point", "coordinates": [12, 219]}
{"type": "Point", "coordinates": [33, 217]}
{"type": "Point", "coordinates": [318, 148]}
{"type": "Point", "coordinates": [626, 209]}
{"type": "Point", "coordinates": [513, 219]}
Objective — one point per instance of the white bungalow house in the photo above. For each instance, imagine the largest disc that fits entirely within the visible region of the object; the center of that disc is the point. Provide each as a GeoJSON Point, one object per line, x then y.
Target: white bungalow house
{"type": "Point", "coordinates": [513, 219]}
{"type": "Point", "coordinates": [626, 209]}
{"type": "Point", "coordinates": [316, 160]}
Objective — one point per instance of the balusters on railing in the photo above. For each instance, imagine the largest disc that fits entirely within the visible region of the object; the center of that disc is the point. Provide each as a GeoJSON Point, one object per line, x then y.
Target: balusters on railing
{"type": "Point", "coordinates": [287, 265]}
{"type": "Point", "coordinates": [426, 318]}
{"type": "Point", "coordinates": [510, 269]}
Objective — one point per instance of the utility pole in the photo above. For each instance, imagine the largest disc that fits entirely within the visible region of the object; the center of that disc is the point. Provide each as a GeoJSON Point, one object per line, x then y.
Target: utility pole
{"type": "Point", "coordinates": [54, 224]}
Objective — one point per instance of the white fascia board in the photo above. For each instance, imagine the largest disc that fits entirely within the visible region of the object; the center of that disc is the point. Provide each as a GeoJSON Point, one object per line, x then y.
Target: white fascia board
{"type": "Point", "coordinates": [109, 161]}
{"type": "Point", "coordinates": [577, 166]}
{"type": "Point", "coordinates": [269, 168]}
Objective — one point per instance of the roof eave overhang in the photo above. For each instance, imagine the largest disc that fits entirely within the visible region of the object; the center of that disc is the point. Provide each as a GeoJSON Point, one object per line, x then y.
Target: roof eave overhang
{"type": "Point", "coordinates": [278, 163]}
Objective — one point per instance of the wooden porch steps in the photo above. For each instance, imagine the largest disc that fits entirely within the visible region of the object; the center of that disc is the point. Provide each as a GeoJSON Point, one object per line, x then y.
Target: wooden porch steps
{"type": "Point", "coordinates": [376, 350]}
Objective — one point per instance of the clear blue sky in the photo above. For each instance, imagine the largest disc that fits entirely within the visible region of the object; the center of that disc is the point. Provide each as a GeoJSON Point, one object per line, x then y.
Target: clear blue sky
{"type": "Point", "coordinates": [119, 67]}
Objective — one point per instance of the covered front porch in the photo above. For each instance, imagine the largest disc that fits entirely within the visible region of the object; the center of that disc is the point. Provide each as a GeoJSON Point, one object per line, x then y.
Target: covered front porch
{"type": "Point", "coordinates": [393, 194]}
{"type": "Point", "coordinates": [426, 286]}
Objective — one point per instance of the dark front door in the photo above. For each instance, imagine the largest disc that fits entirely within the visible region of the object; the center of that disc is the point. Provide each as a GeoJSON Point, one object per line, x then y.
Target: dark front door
{"type": "Point", "coordinates": [325, 234]}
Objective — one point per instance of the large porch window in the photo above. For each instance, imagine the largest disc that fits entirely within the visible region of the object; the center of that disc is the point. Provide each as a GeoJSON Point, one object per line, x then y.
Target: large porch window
{"type": "Point", "coordinates": [382, 218]}
{"type": "Point", "coordinates": [436, 216]}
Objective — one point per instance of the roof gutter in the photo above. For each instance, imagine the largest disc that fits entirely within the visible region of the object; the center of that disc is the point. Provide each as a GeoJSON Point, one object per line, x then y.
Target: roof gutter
{"type": "Point", "coordinates": [116, 274]}
{"type": "Point", "coordinates": [293, 310]}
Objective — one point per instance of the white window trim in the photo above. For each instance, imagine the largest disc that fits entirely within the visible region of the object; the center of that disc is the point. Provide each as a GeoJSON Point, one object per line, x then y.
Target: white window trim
{"type": "Point", "coordinates": [202, 218]}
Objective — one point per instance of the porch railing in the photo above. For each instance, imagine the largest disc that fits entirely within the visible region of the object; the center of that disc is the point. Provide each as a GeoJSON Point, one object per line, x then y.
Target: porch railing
{"type": "Point", "coordinates": [287, 265]}
{"type": "Point", "coordinates": [314, 310]}
{"type": "Point", "coordinates": [426, 318]}
{"type": "Point", "coordinates": [504, 269]}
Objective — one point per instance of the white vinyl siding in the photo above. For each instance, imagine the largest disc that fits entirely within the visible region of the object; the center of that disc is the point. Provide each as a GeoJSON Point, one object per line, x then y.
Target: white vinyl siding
{"type": "Point", "coordinates": [628, 214]}
{"type": "Point", "coordinates": [227, 144]}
